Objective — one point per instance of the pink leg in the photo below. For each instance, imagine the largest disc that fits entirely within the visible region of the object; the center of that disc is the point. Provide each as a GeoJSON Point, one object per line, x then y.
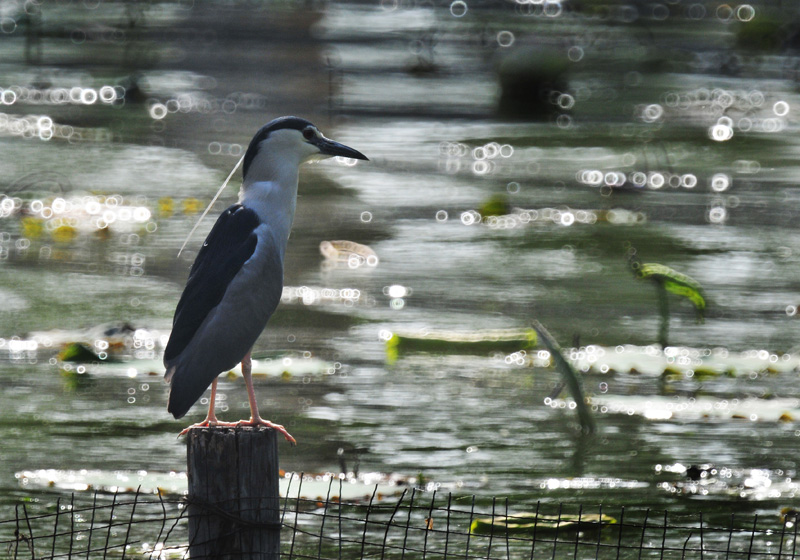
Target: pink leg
{"type": "Point", "coordinates": [211, 418]}
{"type": "Point", "coordinates": [255, 417]}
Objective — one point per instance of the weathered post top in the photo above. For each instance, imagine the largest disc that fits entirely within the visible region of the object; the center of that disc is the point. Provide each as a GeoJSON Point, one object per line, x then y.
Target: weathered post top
{"type": "Point", "coordinates": [234, 505]}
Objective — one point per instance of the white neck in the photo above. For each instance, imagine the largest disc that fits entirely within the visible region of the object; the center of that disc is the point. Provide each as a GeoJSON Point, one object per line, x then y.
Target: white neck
{"type": "Point", "coordinates": [274, 198]}
{"type": "Point", "coordinates": [270, 185]}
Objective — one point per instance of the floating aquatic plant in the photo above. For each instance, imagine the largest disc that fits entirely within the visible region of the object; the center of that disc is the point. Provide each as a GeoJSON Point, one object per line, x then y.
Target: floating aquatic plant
{"type": "Point", "coordinates": [669, 280]}
{"type": "Point", "coordinates": [459, 342]}
{"type": "Point", "coordinates": [495, 205]}
{"type": "Point", "coordinates": [349, 253]}
{"type": "Point", "coordinates": [530, 523]}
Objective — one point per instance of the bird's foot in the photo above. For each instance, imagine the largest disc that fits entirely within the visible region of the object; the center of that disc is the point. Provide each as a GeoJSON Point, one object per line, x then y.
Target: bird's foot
{"type": "Point", "coordinates": [261, 422]}
{"type": "Point", "coordinates": [208, 424]}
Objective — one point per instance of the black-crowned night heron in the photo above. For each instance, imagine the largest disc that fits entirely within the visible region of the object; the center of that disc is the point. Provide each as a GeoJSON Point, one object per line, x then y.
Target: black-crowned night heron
{"type": "Point", "coordinates": [236, 281]}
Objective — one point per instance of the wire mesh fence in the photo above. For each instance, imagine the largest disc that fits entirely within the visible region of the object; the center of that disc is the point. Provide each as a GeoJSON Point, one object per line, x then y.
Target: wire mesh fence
{"type": "Point", "coordinates": [412, 524]}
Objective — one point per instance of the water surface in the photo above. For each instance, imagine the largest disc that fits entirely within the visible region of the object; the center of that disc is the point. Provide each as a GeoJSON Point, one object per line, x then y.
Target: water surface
{"type": "Point", "coordinates": [654, 148]}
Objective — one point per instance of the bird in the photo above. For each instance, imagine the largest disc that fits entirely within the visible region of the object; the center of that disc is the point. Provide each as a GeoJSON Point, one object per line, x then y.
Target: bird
{"type": "Point", "coordinates": [236, 281]}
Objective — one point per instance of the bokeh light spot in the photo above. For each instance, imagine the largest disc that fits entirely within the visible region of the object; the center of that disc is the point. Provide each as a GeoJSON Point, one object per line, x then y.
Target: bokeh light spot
{"type": "Point", "coordinates": [458, 8]}
{"type": "Point", "coordinates": [575, 54]}
{"type": "Point", "coordinates": [720, 132]}
{"type": "Point", "coordinates": [505, 38]}
{"type": "Point", "coordinates": [720, 182]}
{"type": "Point", "coordinates": [158, 111]}
{"type": "Point", "coordinates": [745, 12]}
{"type": "Point", "coordinates": [781, 108]}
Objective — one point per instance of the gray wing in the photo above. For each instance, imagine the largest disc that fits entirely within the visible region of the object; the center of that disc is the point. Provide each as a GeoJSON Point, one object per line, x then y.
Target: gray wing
{"type": "Point", "coordinates": [228, 246]}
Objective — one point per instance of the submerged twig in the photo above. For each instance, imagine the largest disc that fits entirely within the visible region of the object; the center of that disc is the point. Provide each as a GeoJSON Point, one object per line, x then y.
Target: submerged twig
{"type": "Point", "coordinates": [570, 375]}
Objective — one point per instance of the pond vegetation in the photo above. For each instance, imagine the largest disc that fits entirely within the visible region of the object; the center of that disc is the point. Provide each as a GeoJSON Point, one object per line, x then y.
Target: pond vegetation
{"type": "Point", "coordinates": [518, 153]}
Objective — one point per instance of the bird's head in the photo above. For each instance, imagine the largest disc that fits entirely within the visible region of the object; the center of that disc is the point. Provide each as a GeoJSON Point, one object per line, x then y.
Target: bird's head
{"type": "Point", "coordinates": [289, 141]}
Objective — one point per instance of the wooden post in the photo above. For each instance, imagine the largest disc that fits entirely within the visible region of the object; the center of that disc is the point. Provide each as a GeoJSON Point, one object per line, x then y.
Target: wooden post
{"type": "Point", "coordinates": [234, 505]}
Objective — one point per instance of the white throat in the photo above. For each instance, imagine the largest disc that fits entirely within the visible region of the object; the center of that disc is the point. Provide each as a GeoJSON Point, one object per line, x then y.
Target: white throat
{"type": "Point", "coordinates": [270, 186]}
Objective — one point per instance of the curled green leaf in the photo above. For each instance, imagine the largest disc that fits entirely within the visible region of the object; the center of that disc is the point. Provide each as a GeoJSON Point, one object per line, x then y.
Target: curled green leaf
{"type": "Point", "coordinates": [675, 282]}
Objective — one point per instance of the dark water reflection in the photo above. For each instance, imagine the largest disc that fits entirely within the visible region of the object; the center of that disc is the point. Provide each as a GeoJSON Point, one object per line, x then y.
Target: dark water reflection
{"type": "Point", "coordinates": [636, 146]}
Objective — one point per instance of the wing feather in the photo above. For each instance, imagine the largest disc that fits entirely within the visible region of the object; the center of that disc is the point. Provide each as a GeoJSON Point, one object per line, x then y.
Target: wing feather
{"type": "Point", "coordinates": [228, 246]}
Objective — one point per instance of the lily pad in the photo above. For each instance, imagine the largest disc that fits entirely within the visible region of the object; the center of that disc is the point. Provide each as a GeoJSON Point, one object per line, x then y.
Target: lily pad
{"type": "Point", "coordinates": [684, 361]}
{"type": "Point", "coordinates": [656, 407]}
{"type": "Point", "coordinates": [539, 524]}
{"type": "Point", "coordinates": [350, 253]}
{"type": "Point", "coordinates": [285, 366]}
{"type": "Point", "coordinates": [673, 361]}
{"type": "Point", "coordinates": [454, 342]}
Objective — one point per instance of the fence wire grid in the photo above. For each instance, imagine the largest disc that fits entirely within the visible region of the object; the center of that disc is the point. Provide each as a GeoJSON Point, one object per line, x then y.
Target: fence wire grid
{"type": "Point", "coordinates": [415, 524]}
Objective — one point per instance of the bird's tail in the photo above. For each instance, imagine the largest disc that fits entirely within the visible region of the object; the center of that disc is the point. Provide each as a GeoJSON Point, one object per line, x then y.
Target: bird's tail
{"type": "Point", "coordinates": [179, 404]}
{"type": "Point", "coordinates": [182, 393]}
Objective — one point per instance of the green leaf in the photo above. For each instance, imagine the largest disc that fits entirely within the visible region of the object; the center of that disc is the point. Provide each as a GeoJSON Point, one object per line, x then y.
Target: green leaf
{"type": "Point", "coordinates": [531, 523]}
{"type": "Point", "coordinates": [496, 205]}
{"type": "Point", "coordinates": [453, 342]}
{"type": "Point", "coordinates": [675, 282]}
{"type": "Point", "coordinates": [78, 352]}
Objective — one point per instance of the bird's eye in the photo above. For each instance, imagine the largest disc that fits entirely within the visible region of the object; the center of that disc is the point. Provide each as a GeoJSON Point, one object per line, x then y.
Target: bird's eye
{"type": "Point", "coordinates": [308, 133]}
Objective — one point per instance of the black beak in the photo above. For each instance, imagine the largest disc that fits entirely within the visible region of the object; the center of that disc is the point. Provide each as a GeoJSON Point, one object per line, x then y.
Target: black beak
{"type": "Point", "coordinates": [331, 148]}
